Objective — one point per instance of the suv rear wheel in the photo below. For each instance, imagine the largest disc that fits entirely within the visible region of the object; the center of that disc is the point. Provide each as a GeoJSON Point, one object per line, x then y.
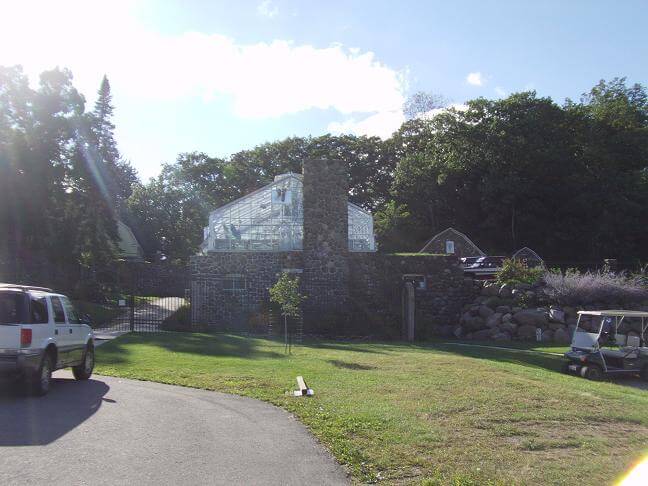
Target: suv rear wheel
{"type": "Point", "coordinates": [84, 370]}
{"type": "Point", "coordinates": [41, 380]}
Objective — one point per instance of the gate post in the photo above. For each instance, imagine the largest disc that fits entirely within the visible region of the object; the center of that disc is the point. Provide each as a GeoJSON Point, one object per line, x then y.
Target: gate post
{"type": "Point", "coordinates": [132, 313]}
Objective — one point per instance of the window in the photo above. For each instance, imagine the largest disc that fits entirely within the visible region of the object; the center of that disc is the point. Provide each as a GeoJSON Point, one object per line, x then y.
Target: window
{"type": "Point", "coordinates": [450, 247]}
{"type": "Point", "coordinates": [59, 313]}
{"type": "Point", "coordinates": [39, 314]}
{"type": "Point", "coordinates": [11, 304]}
{"type": "Point", "coordinates": [234, 283]}
{"type": "Point", "coordinates": [72, 315]}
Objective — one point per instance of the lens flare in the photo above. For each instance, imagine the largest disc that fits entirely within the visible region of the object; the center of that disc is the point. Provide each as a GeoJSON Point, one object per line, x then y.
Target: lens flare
{"type": "Point", "coordinates": [638, 475]}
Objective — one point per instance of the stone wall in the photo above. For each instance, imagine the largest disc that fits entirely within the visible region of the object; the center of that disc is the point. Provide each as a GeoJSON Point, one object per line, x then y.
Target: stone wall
{"type": "Point", "coordinates": [216, 304]}
{"type": "Point", "coordinates": [326, 244]}
{"type": "Point", "coordinates": [373, 307]}
{"type": "Point", "coordinates": [377, 282]}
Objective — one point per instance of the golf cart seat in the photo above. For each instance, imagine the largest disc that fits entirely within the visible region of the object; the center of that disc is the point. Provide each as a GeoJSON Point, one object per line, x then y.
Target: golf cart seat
{"type": "Point", "coordinates": [620, 353]}
{"type": "Point", "coordinates": [633, 341]}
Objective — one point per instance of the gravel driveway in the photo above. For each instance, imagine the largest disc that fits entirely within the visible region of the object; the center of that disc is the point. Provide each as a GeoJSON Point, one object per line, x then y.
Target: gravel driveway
{"type": "Point", "coordinates": [117, 431]}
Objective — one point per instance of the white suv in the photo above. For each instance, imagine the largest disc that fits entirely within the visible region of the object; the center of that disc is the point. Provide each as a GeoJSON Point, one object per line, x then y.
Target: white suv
{"type": "Point", "coordinates": [41, 332]}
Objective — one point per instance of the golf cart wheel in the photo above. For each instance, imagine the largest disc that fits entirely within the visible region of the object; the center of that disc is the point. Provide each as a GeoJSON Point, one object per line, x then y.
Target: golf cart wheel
{"type": "Point", "coordinates": [592, 372]}
{"type": "Point", "coordinates": [644, 373]}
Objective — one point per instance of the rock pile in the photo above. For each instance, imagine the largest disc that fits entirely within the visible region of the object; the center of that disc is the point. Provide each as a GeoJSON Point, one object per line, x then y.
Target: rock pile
{"type": "Point", "coordinates": [523, 312]}
{"type": "Point", "coordinates": [515, 312]}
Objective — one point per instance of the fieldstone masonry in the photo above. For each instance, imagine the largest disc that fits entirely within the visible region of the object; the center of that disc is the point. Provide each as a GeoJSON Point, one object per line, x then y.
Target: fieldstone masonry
{"type": "Point", "coordinates": [326, 242]}
{"type": "Point", "coordinates": [348, 293]}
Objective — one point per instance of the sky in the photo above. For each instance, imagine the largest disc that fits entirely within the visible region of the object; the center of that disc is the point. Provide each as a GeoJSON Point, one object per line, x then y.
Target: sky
{"type": "Point", "coordinates": [222, 76]}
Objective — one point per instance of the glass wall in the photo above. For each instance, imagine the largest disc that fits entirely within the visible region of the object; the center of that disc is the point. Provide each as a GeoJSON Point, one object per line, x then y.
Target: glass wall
{"type": "Point", "coordinates": [272, 219]}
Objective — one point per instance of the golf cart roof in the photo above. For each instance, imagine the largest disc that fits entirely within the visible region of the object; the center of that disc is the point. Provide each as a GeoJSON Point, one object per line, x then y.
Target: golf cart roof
{"type": "Point", "coordinates": [614, 313]}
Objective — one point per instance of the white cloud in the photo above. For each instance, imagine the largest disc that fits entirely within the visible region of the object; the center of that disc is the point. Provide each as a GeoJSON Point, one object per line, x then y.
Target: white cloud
{"type": "Point", "coordinates": [266, 79]}
{"type": "Point", "coordinates": [382, 124]}
{"type": "Point", "coordinates": [267, 9]}
{"type": "Point", "coordinates": [475, 79]}
{"type": "Point", "coordinates": [501, 92]}
{"type": "Point", "coordinates": [437, 111]}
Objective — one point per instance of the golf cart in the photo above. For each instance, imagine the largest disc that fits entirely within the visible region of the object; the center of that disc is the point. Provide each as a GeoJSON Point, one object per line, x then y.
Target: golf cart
{"type": "Point", "coordinates": [619, 346]}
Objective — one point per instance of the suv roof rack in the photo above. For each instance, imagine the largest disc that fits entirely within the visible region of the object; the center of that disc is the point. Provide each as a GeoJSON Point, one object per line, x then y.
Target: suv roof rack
{"type": "Point", "coordinates": [24, 287]}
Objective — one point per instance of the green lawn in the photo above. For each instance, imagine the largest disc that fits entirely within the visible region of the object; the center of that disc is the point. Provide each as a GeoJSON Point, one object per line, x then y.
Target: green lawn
{"type": "Point", "coordinates": [435, 413]}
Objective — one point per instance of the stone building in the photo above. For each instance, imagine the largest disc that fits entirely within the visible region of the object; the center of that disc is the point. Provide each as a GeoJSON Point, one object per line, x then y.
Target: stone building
{"type": "Point", "coordinates": [304, 224]}
{"type": "Point", "coordinates": [452, 242]}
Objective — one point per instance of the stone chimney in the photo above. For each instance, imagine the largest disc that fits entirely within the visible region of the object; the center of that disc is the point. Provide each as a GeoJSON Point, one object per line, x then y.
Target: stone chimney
{"type": "Point", "coordinates": [326, 244]}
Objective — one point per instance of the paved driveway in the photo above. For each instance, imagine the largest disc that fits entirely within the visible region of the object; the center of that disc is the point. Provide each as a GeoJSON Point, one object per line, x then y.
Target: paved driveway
{"type": "Point", "coordinates": [115, 431]}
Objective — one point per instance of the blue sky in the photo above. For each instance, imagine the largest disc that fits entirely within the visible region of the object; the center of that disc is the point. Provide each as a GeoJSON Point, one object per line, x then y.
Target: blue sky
{"type": "Point", "coordinates": [219, 76]}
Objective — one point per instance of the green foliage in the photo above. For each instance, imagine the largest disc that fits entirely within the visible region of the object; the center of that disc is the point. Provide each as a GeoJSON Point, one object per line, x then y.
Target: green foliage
{"type": "Point", "coordinates": [285, 292]}
{"type": "Point", "coordinates": [180, 320]}
{"type": "Point", "coordinates": [516, 271]}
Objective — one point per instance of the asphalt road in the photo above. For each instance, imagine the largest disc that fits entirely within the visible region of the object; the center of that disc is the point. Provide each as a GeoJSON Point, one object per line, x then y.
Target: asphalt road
{"type": "Point", "coordinates": [115, 431]}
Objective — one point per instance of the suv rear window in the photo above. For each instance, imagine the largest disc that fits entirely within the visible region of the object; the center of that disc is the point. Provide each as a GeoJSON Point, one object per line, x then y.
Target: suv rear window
{"type": "Point", "coordinates": [12, 307]}
{"type": "Point", "coordinates": [39, 310]}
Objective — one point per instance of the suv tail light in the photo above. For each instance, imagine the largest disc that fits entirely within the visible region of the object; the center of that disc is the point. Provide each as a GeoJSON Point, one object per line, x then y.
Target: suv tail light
{"type": "Point", "coordinates": [25, 338]}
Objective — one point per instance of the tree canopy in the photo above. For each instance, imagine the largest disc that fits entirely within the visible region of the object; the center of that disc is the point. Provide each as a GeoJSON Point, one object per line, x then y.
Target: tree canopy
{"type": "Point", "coordinates": [570, 180]}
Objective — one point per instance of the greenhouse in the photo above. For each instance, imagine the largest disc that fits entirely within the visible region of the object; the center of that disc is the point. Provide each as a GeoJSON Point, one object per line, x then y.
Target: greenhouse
{"type": "Point", "coordinates": [272, 219]}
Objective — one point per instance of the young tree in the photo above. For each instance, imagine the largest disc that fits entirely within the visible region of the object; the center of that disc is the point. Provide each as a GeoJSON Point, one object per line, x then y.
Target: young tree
{"type": "Point", "coordinates": [286, 293]}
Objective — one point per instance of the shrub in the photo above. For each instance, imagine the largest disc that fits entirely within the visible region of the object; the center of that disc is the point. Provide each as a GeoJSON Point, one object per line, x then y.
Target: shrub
{"type": "Point", "coordinates": [575, 288]}
{"type": "Point", "coordinates": [516, 271]}
{"type": "Point", "coordinates": [180, 320]}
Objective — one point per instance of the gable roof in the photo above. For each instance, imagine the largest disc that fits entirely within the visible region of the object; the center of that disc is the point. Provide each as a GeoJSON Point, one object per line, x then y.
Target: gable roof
{"type": "Point", "coordinates": [450, 231]}
{"type": "Point", "coordinates": [128, 245]}
{"type": "Point", "coordinates": [529, 254]}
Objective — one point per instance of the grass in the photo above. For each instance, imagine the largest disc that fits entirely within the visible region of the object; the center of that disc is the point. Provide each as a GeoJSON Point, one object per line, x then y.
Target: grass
{"type": "Point", "coordinates": [429, 414]}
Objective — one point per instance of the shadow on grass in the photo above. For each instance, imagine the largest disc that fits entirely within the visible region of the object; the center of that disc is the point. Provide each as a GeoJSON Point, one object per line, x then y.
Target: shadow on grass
{"type": "Point", "coordinates": [369, 347]}
{"type": "Point", "coordinates": [221, 345]}
{"type": "Point", "coordinates": [525, 357]}
{"type": "Point", "coordinates": [350, 366]}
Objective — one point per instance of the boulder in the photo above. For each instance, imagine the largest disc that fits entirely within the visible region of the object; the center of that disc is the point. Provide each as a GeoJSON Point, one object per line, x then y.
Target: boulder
{"type": "Point", "coordinates": [530, 317]}
{"type": "Point", "coordinates": [490, 290]}
{"type": "Point", "coordinates": [474, 323]}
{"type": "Point", "coordinates": [483, 335]}
{"type": "Point", "coordinates": [554, 326]}
{"type": "Point", "coordinates": [547, 336]}
{"type": "Point", "coordinates": [570, 311]}
{"type": "Point", "coordinates": [503, 309]}
{"type": "Point", "coordinates": [561, 336]}
{"type": "Point", "coordinates": [505, 291]}
{"type": "Point", "coordinates": [485, 311]}
{"type": "Point", "coordinates": [494, 320]}
{"type": "Point", "coordinates": [507, 317]}
{"type": "Point", "coordinates": [444, 331]}
{"type": "Point", "coordinates": [556, 315]}
{"type": "Point", "coordinates": [492, 302]}
{"type": "Point", "coordinates": [523, 286]}
{"type": "Point", "coordinates": [457, 332]}
{"type": "Point", "coordinates": [526, 332]}
{"type": "Point", "coordinates": [502, 336]}
{"type": "Point", "coordinates": [465, 317]}
{"type": "Point", "coordinates": [516, 293]}
{"type": "Point", "coordinates": [508, 327]}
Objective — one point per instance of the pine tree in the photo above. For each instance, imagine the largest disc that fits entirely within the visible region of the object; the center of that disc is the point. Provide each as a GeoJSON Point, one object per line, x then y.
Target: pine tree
{"type": "Point", "coordinates": [118, 175]}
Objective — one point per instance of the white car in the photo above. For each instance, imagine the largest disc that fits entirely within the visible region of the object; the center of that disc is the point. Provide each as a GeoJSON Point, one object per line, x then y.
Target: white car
{"type": "Point", "coordinates": [40, 332]}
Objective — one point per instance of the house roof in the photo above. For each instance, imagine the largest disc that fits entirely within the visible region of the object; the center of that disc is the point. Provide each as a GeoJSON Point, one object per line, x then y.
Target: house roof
{"type": "Point", "coordinates": [128, 245]}
{"type": "Point", "coordinates": [529, 254]}
{"type": "Point", "coordinates": [456, 232]}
